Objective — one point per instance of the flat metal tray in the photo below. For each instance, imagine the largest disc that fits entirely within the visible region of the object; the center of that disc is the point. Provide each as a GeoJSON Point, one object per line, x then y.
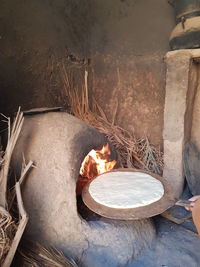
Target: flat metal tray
{"type": "Point", "coordinates": [147, 211]}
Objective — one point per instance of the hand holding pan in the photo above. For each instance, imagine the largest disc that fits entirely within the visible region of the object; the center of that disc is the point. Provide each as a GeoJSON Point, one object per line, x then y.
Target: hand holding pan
{"type": "Point", "coordinates": [193, 204]}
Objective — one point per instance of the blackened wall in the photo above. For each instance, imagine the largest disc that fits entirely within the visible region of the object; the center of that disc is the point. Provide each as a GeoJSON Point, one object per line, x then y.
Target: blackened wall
{"type": "Point", "coordinates": [126, 41]}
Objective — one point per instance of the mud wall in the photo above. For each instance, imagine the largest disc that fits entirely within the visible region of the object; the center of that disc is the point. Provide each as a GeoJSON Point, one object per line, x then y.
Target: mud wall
{"type": "Point", "coordinates": [34, 36]}
{"type": "Point", "coordinates": [125, 40]}
{"type": "Point", "coordinates": [129, 41]}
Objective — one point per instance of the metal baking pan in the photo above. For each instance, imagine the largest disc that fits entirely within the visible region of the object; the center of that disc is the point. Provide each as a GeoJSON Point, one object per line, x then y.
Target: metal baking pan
{"type": "Point", "coordinates": [155, 208]}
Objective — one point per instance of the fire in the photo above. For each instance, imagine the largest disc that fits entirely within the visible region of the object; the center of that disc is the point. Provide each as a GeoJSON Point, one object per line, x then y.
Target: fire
{"type": "Point", "coordinates": [97, 162]}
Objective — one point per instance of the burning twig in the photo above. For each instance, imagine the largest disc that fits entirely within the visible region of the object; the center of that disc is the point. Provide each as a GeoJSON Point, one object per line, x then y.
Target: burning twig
{"type": "Point", "coordinates": [97, 162]}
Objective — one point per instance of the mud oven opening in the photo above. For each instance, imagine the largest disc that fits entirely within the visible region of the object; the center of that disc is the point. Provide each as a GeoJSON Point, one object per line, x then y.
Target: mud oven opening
{"type": "Point", "coordinates": [97, 161]}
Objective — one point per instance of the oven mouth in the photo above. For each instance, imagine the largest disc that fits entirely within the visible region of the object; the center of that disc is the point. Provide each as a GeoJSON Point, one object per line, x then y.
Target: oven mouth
{"type": "Point", "coordinates": [96, 162]}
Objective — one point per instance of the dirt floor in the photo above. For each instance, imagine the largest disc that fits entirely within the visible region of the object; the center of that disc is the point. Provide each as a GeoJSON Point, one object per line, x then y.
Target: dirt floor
{"type": "Point", "coordinates": [175, 246]}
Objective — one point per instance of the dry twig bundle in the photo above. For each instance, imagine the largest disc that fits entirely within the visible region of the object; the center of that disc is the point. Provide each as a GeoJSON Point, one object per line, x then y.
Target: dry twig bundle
{"type": "Point", "coordinates": [7, 231]}
{"type": "Point", "coordinates": [36, 255]}
{"type": "Point", "coordinates": [132, 152]}
{"type": "Point", "coordinates": [13, 134]}
{"type": "Point", "coordinates": [10, 230]}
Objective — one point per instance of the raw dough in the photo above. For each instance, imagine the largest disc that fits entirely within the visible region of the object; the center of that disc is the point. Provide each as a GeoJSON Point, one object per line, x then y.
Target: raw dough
{"type": "Point", "coordinates": [126, 189]}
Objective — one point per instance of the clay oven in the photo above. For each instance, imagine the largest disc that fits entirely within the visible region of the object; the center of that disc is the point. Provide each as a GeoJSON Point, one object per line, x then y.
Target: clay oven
{"type": "Point", "coordinates": [57, 143]}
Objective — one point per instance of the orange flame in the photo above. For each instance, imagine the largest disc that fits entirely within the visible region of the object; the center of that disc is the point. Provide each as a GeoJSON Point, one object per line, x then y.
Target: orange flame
{"type": "Point", "coordinates": [97, 162]}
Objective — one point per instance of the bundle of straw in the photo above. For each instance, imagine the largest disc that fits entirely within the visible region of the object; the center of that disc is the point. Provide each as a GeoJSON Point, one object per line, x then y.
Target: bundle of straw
{"type": "Point", "coordinates": [132, 152]}
{"type": "Point", "coordinates": [36, 255]}
{"type": "Point", "coordinates": [7, 232]}
{"type": "Point", "coordinates": [11, 230]}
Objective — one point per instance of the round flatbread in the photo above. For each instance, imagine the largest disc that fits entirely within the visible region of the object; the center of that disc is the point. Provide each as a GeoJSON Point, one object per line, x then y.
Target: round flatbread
{"type": "Point", "coordinates": [126, 189]}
